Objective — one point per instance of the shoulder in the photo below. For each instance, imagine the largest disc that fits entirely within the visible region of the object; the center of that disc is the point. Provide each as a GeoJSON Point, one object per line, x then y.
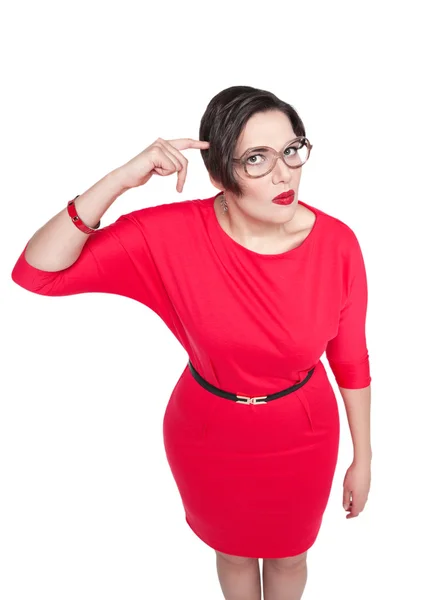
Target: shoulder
{"type": "Point", "coordinates": [166, 217]}
{"type": "Point", "coordinates": [338, 233]}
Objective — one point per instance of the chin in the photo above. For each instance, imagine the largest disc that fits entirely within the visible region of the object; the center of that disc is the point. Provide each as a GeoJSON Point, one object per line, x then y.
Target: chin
{"type": "Point", "coordinates": [285, 213]}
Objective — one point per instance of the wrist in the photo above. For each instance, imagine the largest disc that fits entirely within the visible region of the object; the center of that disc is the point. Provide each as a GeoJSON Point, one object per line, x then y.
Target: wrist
{"type": "Point", "coordinates": [363, 457]}
{"type": "Point", "coordinates": [119, 178]}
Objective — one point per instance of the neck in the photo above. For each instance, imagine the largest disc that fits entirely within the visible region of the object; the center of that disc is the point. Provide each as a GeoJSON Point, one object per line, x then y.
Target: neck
{"type": "Point", "coordinates": [250, 229]}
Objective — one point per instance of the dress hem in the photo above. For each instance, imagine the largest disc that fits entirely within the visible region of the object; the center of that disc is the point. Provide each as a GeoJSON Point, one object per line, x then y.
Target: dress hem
{"type": "Point", "coordinates": [305, 547]}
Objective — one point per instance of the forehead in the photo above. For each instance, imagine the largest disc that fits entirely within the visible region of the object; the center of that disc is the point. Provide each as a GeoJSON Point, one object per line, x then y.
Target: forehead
{"type": "Point", "coordinates": [271, 128]}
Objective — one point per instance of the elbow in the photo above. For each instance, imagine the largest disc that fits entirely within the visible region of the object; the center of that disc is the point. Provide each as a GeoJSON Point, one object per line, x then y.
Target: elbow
{"type": "Point", "coordinates": [353, 374]}
{"type": "Point", "coordinates": [34, 280]}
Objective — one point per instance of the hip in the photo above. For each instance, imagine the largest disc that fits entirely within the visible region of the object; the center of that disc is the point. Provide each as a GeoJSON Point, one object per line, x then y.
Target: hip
{"type": "Point", "coordinates": [308, 415]}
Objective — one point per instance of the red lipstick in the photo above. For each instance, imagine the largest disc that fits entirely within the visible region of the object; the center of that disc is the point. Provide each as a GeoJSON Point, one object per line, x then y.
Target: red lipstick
{"type": "Point", "coordinates": [284, 198]}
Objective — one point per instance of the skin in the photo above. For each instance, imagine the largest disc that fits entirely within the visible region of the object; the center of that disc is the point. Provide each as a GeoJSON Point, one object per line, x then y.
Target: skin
{"type": "Point", "coordinates": [253, 220]}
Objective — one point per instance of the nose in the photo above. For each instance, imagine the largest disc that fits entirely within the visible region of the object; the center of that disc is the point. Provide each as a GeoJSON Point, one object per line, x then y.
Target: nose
{"type": "Point", "coordinates": [281, 172]}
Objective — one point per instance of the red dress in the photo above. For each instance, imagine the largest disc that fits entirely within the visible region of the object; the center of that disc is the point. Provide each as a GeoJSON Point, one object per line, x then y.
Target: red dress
{"type": "Point", "coordinates": [254, 479]}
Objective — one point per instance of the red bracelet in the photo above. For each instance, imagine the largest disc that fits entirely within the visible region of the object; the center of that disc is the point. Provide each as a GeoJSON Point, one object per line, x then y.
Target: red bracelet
{"type": "Point", "coordinates": [71, 208]}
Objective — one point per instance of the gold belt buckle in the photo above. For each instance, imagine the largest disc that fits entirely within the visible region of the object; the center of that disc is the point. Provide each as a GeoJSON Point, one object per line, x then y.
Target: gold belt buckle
{"type": "Point", "coordinates": [250, 400]}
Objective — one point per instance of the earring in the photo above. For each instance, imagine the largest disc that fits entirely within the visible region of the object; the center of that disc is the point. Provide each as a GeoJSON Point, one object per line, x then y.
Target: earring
{"type": "Point", "coordinates": [223, 202]}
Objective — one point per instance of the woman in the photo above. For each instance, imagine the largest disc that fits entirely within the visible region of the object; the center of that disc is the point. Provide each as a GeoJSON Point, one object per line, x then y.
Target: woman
{"type": "Point", "coordinates": [256, 285]}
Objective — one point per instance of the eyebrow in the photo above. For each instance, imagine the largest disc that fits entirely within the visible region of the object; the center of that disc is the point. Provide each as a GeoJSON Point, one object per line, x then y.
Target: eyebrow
{"type": "Point", "coordinates": [258, 148]}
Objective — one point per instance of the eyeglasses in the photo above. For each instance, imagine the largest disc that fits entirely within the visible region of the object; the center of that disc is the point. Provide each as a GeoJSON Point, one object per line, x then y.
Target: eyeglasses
{"type": "Point", "coordinates": [260, 161]}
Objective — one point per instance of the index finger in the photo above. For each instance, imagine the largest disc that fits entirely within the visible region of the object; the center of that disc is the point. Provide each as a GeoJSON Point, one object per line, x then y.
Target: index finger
{"type": "Point", "coordinates": [184, 143]}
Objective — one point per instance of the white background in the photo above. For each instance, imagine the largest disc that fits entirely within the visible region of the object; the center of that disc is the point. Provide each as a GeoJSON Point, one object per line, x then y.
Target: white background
{"type": "Point", "coordinates": [88, 505]}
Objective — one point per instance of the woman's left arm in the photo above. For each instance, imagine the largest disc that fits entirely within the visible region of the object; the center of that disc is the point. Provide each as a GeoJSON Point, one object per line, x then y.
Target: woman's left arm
{"type": "Point", "coordinates": [357, 481]}
{"type": "Point", "coordinates": [357, 403]}
{"type": "Point", "coordinates": [348, 357]}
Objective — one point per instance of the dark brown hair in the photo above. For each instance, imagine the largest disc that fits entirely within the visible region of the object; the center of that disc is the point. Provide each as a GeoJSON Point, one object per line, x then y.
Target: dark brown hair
{"type": "Point", "coordinates": [223, 121]}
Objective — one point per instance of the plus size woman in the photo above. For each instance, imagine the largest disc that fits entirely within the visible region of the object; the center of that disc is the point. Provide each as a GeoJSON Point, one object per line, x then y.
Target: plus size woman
{"type": "Point", "coordinates": [256, 285]}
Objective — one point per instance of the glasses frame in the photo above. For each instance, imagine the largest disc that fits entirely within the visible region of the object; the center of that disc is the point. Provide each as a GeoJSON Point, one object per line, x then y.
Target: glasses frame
{"type": "Point", "coordinates": [242, 159]}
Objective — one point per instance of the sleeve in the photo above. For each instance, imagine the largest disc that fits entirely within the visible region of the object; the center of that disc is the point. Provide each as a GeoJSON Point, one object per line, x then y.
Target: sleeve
{"type": "Point", "coordinates": [114, 260]}
{"type": "Point", "coordinates": [347, 352]}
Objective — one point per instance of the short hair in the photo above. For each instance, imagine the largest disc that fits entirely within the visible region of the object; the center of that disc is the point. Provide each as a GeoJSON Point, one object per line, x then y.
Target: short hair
{"type": "Point", "coordinates": [223, 121]}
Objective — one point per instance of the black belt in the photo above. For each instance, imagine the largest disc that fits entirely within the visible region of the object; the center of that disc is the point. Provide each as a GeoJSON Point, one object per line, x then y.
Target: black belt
{"type": "Point", "coordinates": [247, 399]}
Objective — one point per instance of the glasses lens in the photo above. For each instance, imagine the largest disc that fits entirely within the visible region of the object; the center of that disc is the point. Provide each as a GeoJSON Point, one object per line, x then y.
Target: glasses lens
{"type": "Point", "coordinates": [260, 161]}
{"type": "Point", "coordinates": [297, 153]}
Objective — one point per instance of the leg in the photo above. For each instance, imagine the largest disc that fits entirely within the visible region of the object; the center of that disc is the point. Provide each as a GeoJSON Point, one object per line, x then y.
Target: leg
{"type": "Point", "coordinates": [239, 577]}
{"type": "Point", "coordinates": [284, 578]}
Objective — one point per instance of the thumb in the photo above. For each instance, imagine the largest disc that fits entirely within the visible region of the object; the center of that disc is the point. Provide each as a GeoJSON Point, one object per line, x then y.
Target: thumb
{"type": "Point", "coordinates": [346, 499]}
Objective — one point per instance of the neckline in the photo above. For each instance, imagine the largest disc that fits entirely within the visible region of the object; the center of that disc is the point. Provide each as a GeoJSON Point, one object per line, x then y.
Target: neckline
{"type": "Point", "coordinates": [225, 236]}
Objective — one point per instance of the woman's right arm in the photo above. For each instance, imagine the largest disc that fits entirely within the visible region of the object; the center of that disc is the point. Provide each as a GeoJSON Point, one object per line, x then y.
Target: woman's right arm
{"type": "Point", "coordinates": [58, 244]}
{"type": "Point", "coordinates": [61, 260]}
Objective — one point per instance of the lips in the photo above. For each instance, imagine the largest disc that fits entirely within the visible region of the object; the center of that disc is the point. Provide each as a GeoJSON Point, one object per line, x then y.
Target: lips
{"type": "Point", "coordinates": [284, 198]}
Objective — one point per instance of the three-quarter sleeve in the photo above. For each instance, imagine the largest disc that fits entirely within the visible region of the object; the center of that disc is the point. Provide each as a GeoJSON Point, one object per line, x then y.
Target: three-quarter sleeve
{"type": "Point", "coordinates": [115, 260]}
{"type": "Point", "coordinates": [347, 352]}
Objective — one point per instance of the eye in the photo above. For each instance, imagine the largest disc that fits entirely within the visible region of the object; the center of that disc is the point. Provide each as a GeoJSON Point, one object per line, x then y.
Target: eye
{"type": "Point", "coordinates": [250, 160]}
{"type": "Point", "coordinates": [293, 150]}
